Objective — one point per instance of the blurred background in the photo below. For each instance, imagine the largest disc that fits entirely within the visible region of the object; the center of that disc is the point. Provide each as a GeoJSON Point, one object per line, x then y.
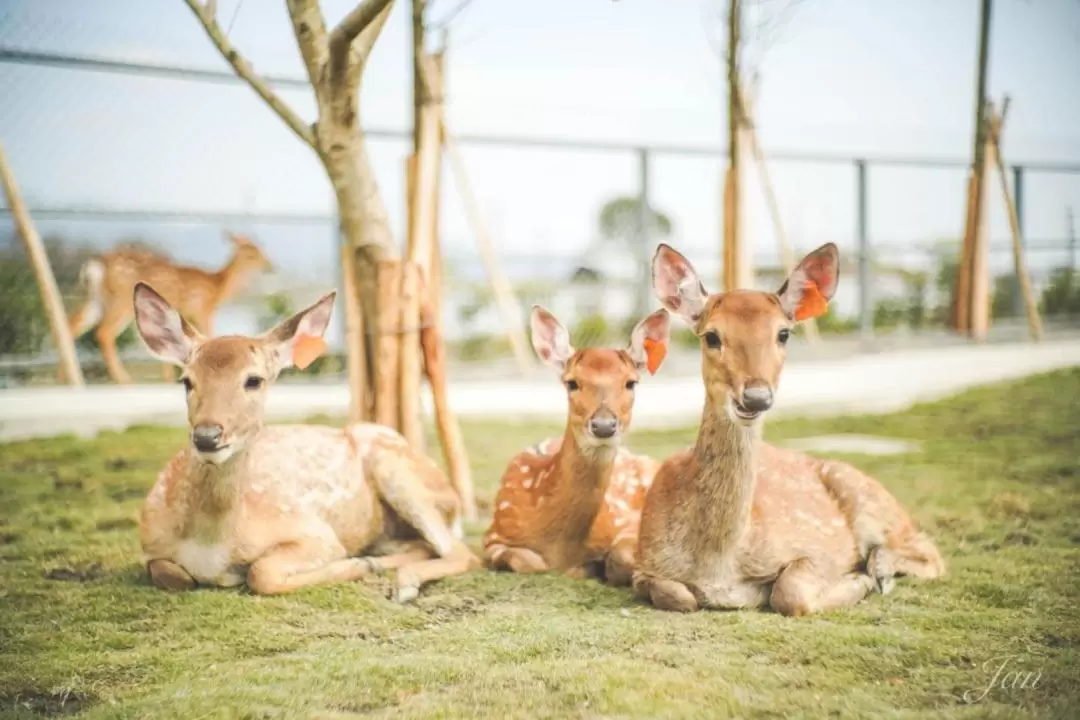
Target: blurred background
{"type": "Point", "coordinates": [123, 125]}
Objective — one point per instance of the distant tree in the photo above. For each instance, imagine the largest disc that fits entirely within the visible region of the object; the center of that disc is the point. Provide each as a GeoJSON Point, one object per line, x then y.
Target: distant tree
{"type": "Point", "coordinates": [620, 224]}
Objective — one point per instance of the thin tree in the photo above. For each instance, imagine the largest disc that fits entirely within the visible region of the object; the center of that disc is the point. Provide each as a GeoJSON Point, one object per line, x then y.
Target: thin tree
{"type": "Point", "coordinates": [335, 60]}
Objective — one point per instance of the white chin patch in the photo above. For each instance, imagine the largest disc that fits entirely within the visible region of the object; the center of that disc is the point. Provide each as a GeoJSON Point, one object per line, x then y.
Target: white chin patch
{"type": "Point", "coordinates": [217, 457]}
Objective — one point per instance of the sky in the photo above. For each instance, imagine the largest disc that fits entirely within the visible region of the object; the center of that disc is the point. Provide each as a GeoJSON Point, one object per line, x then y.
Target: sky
{"type": "Point", "coordinates": [853, 78]}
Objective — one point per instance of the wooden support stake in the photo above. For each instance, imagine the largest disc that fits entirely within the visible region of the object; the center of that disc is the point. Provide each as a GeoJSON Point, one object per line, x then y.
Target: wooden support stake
{"type": "Point", "coordinates": [451, 439]}
{"type": "Point", "coordinates": [46, 281]}
{"type": "Point", "coordinates": [505, 301]}
{"type": "Point", "coordinates": [787, 256]}
{"type": "Point", "coordinates": [997, 123]}
{"type": "Point", "coordinates": [387, 344]}
{"type": "Point", "coordinates": [359, 403]}
{"type": "Point", "coordinates": [981, 287]}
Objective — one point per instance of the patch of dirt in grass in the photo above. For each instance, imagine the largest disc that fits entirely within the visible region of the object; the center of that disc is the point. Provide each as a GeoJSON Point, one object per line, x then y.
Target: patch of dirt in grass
{"type": "Point", "coordinates": [118, 464]}
{"type": "Point", "coordinates": [8, 538]}
{"type": "Point", "coordinates": [48, 704]}
{"type": "Point", "coordinates": [122, 494]}
{"type": "Point", "coordinates": [62, 483]}
{"type": "Point", "coordinates": [117, 524]}
{"type": "Point", "coordinates": [81, 575]}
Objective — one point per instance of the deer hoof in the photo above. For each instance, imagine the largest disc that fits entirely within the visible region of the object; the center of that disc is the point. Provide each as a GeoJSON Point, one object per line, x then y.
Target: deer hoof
{"type": "Point", "coordinates": [406, 589]}
{"type": "Point", "coordinates": [879, 566]}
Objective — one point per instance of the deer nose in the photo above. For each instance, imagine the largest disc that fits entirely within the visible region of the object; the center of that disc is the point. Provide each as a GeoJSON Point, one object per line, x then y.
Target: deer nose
{"type": "Point", "coordinates": [757, 399]}
{"type": "Point", "coordinates": [206, 438]}
{"type": "Point", "coordinates": [603, 426]}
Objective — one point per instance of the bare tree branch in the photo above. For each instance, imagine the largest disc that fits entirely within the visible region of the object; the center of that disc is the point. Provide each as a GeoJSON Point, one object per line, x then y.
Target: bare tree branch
{"type": "Point", "coordinates": [244, 69]}
{"type": "Point", "coordinates": [309, 27]}
{"type": "Point", "coordinates": [363, 44]}
{"type": "Point", "coordinates": [445, 21]}
{"type": "Point", "coordinates": [353, 24]}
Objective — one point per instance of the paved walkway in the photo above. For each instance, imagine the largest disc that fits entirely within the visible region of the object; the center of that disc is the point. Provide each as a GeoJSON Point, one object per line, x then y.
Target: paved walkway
{"type": "Point", "coordinates": [860, 383]}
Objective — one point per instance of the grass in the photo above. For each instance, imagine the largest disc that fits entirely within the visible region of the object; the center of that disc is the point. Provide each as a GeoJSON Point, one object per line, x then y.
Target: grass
{"type": "Point", "coordinates": [996, 482]}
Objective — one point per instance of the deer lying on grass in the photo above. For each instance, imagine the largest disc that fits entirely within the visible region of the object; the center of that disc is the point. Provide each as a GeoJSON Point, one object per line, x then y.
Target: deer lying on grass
{"type": "Point", "coordinates": [109, 280]}
{"type": "Point", "coordinates": [734, 522]}
{"type": "Point", "coordinates": [572, 503]}
{"type": "Point", "coordinates": [284, 507]}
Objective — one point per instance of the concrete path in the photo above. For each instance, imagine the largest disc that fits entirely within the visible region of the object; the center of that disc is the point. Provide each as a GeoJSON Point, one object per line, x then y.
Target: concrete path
{"type": "Point", "coordinates": [861, 383]}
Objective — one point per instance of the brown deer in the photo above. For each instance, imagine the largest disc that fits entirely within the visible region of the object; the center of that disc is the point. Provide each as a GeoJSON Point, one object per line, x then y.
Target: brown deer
{"type": "Point", "coordinates": [735, 523]}
{"type": "Point", "coordinates": [284, 507]}
{"type": "Point", "coordinates": [572, 503]}
{"type": "Point", "coordinates": [109, 281]}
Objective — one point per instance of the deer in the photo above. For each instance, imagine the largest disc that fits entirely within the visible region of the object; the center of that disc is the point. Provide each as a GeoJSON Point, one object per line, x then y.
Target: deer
{"type": "Point", "coordinates": [733, 522]}
{"type": "Point", "coordinates": [571, 504]}
{"type": "Point", "coordinates": [283, 507]}
{"type": "Point", "coordinates": [109, 280]}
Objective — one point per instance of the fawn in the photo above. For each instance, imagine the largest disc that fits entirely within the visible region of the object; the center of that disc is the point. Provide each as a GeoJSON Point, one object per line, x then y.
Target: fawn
{"type": "Point", "coordinates": [572, 503]}
{"type": "Point", "coordinates": [109, 280]}
{"type": "Point", "coordinates": [733, 522]}
{"type": "Point", "coordinates": [284, 507]}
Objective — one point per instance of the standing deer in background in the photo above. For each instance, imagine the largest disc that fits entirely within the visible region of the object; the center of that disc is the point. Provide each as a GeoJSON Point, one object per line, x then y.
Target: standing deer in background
{"type": "Point", "coordinates": [734, 522]}
{"type": "Point", "coordinates": [110, 279]}
{"type": "Point", "coordinates": [573, 502]}
{"type": "Point", "coordinates": [284, 507]}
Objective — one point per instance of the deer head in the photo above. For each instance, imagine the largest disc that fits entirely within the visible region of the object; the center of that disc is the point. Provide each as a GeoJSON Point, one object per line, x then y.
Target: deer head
{"type": "Point", "coordinates": [226, 378]}
{"type": "Point", "coordinates": [599, 382]}
{"type": "Point", "coordinates": [744, 333]}
{"type": "Point", "coordinates": [247, 255]}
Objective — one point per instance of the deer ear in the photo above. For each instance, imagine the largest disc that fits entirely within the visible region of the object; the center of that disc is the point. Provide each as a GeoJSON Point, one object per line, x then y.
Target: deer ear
{"type": "Point", "coordinates": [550, 340]}
{"type": "Point", "coordinates": [165, 333]}
{"type": "Point", "coordinates": [807, 291]}
{"type": "Point", "coordinates": [677, 285]}
{"type": "Point", "coordinates": [298, 341]}
{"type": "Point", "coordinates": [649, 341]}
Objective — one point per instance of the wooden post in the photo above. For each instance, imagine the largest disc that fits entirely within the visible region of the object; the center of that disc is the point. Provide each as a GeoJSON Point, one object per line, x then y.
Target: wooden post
{"type": "Point", "coordinates": [997, 125]}
{"type": "Point", "coordinates": [733, 259]}
{"type": "Point", "coordinates": [46, 281]}
{"type": "Point", "coordinates": [981, 287]}
{"type": "Point", "coordinates": [962, 304]}
{"type": "Point", "coordinates": [388, 343]}
{"type": "Point", "coordinates": [505, 300]}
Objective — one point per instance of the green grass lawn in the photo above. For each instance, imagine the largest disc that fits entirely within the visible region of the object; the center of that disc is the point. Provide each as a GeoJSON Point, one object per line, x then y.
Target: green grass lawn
{"type": "Point", "coordinates": [996, 482]}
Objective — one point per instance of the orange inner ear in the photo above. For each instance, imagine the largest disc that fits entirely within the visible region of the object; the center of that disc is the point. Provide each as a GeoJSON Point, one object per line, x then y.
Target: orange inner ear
{"type": "Point", "coordinates": [654, 354]}
{"type": "Point", "coordinates": [306, 349]}
{"type": "Point", "coordinates": [812, 304]}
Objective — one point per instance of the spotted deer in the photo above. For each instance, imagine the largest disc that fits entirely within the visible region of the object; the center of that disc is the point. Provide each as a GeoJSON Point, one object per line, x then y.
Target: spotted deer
{"type": "Point", "coordinates": [736, 523]}
{"type": "Point", "coordinates": [284, 507]}
{"type": "Point", "coordinates": [109, 280]}
{"type": "Point", "coordinates": [572, 503]}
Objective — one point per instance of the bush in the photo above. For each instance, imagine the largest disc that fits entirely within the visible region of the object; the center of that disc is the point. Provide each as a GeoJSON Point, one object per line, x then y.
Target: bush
{"type": "Point", "coordinates": [1061, 296]}
{"type": "Point", "coordinates": [591, 330]}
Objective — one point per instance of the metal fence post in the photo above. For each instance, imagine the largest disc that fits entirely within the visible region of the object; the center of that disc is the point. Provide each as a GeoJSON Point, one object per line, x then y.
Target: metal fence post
{"type": "Point", "coordinates": [866, 300]}
{"type": "Point", "coordinates": [1018, 200]}
{"type": "Point", "coordinates": [644, 235]}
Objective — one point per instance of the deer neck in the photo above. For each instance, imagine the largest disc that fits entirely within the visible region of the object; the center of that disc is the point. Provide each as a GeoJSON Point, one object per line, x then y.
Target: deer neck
{"type": "Point", "coordinates": [580, 477]}
{"type": "Point", "coordinates": [724, 483]}
{"type": "Point", "coordinates": [231, 278]}
{"type": "Point", "coordinates": [213, 494]}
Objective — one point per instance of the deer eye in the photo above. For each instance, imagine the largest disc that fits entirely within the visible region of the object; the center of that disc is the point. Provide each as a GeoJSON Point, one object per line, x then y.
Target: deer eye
{"type": "Point", "coordinates": [572, 385]}
{"type": "Point", "coordinates": [254, 382]}
{"type": "Point", "coordinates": [783, 335]}
{"type": "Point", "coordinates": [188, 385]}
{"type": "Point", "coordinates": [712, 339]}
{"type": "Point", "coordinates": [631, 384]}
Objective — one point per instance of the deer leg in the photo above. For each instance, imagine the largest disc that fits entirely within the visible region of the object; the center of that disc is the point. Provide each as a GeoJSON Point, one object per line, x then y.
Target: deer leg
{"type": "Point", "coordinates": [804, 588]}
{"type": "Point", "coordinates": [167, 575]}
{"type": "Point", "coordinates": [397, 477]}
{"type": "Point", "coordinates": [415, 552]}
{"type": "Point", "coordinates": [80, 323]}
{"type": "Point", "coordinates": [515, 559]}
{"type": "Point", "coordinates": [292, 566]}
{"type": "Point", "coordinates": [411, 578]}
{"type": "Point", "coordinates": [108, 329]}
{"type": "Point", "coordinates": [669, 595]}
{"type": "Point", "coordinates": [619, 563]}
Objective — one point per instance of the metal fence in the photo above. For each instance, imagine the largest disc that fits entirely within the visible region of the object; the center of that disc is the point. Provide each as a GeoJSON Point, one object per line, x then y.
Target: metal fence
{"type": "Point", "coordinates": [542, 197]}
